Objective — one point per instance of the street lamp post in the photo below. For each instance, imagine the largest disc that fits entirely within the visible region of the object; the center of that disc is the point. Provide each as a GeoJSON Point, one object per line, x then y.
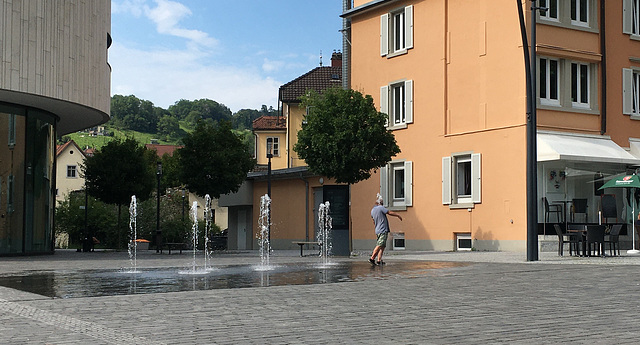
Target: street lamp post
{"type": "Point", "coordinates": [182, 204]}
{"type": "Point", "coordinates": [269, 156]}
{"type": "Point", "coordinates": [158, 231]}
{"type": "Point", "coordinates": [532, 159]}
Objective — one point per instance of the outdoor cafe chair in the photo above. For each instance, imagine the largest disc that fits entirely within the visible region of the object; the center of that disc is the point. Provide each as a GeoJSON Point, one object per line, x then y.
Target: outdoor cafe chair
{"type": "Point", "coordinates": [573, 240]}
{"type": "Point", "coordinates": [595, 237]}
{"type": "Point", "coordinates": [579, 206]}
{"type": "Point", "coordinates": [613, 240]}
{"type": "Point", "coordinates": [552, 208]}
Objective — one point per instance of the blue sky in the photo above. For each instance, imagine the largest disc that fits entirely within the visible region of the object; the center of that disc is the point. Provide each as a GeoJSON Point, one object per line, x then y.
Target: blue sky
{"type": "Point", "coordinates": [235, 52]}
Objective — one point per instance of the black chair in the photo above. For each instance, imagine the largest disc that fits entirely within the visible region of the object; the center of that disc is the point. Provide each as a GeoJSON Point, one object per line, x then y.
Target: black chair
{"type": "Point", "coordinates": [595, 237]}
{"type": "Point", "coordinates": [613, 240]}
{"type": "Point", "coordinates": [552, 208]}
{"type": "Point", "coordinates": [574, 241]}
{"type": "Point", "coordinates": [579, 206]}
{"type": "Point", "coordinates": [608, 207]}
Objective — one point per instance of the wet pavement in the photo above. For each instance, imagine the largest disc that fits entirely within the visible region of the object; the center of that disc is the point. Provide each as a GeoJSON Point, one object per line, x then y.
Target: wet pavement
{"type": "Point", "coordinates": [487, 297]}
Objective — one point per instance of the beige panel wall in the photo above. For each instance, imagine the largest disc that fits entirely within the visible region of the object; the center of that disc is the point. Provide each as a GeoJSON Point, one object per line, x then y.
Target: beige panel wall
{"type": "Point", "coordinates": [57, 49]}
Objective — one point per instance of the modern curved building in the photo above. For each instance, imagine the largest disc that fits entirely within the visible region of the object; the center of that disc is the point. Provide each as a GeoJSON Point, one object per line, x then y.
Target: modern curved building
{"type": "Point", "coordinates": [54, 80]}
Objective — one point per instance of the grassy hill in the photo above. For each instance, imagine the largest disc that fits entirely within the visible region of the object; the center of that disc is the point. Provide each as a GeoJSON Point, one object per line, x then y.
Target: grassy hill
{"type": "Point", "coordinates": [83, 139]}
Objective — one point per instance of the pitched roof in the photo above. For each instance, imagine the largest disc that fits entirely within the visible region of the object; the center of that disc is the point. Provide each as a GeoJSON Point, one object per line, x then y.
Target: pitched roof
{"type": "Point", "coordinates": [318, 79]}
{"type": "Point", "coordinates": [162, 149]}
{"type": "Point", "coordinates": [61, 148]}
{"type": "Point", "coordinates": [269, 123]}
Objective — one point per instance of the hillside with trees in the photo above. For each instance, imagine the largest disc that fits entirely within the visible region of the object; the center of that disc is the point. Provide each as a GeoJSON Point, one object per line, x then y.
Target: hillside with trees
{"type": "Point", "coordinates": [132, 117]}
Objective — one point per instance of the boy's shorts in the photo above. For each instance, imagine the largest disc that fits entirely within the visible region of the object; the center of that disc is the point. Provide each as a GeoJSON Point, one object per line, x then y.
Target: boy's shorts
{"type": "Point", "coordinates": [382, 239]}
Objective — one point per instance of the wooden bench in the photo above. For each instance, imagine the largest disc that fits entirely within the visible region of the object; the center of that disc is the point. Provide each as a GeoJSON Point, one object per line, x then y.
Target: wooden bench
{"type": "Point", "coordinates": [173, 246]}
{"type": "Point", "coordinates": [303, 243]}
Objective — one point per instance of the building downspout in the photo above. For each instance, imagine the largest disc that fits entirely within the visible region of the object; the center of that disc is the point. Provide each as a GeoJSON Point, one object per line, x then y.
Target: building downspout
{"type": "Point", "coordinates": [346, 41]}
{"type": "Point", "coordinates": [603, 68]}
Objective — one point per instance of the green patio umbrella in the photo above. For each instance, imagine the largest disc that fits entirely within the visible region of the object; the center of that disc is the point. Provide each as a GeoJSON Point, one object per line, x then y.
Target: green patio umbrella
{"type": "Point", "coordinates": [627, 181]}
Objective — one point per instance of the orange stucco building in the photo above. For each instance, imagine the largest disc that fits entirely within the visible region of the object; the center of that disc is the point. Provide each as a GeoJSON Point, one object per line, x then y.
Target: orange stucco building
{"type": "Point", "coordinates": [451, 76]}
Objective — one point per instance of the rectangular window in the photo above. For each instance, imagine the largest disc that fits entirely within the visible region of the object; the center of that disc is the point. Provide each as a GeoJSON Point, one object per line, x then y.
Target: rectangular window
{"type": "Point", "coordinates": [273, 146]}
{"type": "Point", "coordinates": [631, 92]}
{"type": "Point", "coordinates": [396, 100]}
{"type": "Point", "coordinates": [396, 184]}
{"type": "Point", "coordinates": [552, 9]}
{"type": "Point", "coordinates": [71, 171]}
{"type": "Point", "coordinates": [461, 184]}
{"type": "Point", "coordinates": [398, 106]}
{"type": "Point", "coordinates": [580, 12]}
{"type": "Point", "coordinates": [631, 17]}
{"type": "Point", "coordinates": [463, 179]}
{"type": "Point", "coordinates": [396, 31]}
{"type": "Point", "coordinates": [549, 81]}
{"type": "Point", "coordinates": [580, 84]}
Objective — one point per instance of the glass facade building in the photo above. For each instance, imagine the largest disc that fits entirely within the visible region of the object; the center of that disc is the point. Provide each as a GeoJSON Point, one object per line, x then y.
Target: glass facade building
{"type": "Point", "coordinates": [54, 80]}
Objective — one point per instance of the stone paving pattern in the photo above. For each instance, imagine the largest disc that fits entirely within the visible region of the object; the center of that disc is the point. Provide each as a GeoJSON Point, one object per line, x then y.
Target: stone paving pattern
{"type": "Point", "coordinates": [496, 298]}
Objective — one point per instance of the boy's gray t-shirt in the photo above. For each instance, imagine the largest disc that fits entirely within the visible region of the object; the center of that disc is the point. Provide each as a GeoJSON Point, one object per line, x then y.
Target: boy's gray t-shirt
{"type": "Point", "coordinates": [379, 215]}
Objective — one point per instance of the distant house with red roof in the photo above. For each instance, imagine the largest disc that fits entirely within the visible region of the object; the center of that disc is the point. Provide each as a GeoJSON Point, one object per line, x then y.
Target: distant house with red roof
{"type": "Point", "coordinates": [69, 157]}
{"type": "Point", "coordinates": [161, 150]}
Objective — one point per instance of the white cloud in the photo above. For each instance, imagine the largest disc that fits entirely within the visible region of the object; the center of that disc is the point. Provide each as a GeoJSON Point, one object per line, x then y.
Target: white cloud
{"type": "Point", "coordinates": [134, 7]}
{"type": "Point", "coordinates": [271, 66]}
{"type": "Point", "coordinates": [167, 16]}
{"type": "Point", "coordinates": [166, 76]}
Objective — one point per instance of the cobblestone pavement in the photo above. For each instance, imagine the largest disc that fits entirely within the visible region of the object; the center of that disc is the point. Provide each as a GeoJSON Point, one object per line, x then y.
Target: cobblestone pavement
{"type": "Point", "coordinates": [495, 298]}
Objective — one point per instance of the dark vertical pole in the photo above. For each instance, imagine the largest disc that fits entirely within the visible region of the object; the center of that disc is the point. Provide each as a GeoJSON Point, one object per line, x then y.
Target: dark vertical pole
{"type": "Point", "coordinates": [269, 156]}
{"type": "Point", "coordinates": [532, 159]}
{"type": "Point", "coordinates": [183, 204]}
{"type": "Point", "coordinates": [158, 231]}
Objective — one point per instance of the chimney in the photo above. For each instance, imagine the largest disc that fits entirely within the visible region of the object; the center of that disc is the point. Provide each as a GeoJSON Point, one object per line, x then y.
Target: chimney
{"type": "Point", "coordinates": [336, 59]}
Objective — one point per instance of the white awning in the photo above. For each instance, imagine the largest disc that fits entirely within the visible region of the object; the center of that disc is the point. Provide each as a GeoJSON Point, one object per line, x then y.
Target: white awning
{"type": "Point", "coordinates": [554, 146]}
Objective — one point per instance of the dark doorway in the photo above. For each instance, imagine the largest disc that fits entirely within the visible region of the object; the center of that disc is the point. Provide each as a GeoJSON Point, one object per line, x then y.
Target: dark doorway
{"type": "Point", "coordinates": [338, 198]}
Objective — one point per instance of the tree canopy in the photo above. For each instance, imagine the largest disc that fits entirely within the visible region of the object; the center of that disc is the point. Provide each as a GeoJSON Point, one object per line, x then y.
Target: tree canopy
{"type": "Point", "coordinates": [133, 113]}
{"type": "Point", "coordinates": [118, 170]}
{"type": "Point", "coordinates": [200, 109]}
{"type": "Point", "coordinates": [344, 137]}
{"type": "Point", "coordinates": [214, 160]}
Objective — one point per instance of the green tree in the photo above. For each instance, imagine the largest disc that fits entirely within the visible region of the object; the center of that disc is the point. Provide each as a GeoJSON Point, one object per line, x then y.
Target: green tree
{"type": "Point", "coordinates": [214, 160]}
{"type": "Point", "coordinates": [70, 218]}
{"type": "Point", "coordinates": [117, 171]}
{"type": "Point", "coordinates": [344, 137]}
{"type": "Point", "coordinates": [168, 127]}
{"type": "Point", "coordinates": [200, 109]}
{"type": "Point", "coordinates": [130, 112]}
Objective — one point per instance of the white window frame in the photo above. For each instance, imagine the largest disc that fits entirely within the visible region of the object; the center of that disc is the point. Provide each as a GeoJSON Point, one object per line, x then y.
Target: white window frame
{"type": "Point", "coordinates": [275, 146]}
{"type": "Point", "coordinates": [631, 92]}
{"type": "Point", "coordinates": [549, 14]}
{"type": "Point", "coordinates": [546, 83]}
{"type": "Point", "coordinates": [396, 25]}
{"type": "Point", "coordinates": [449, 180]}
{"type": "Point", "coordinates": [72, 171]}
{"type": "Point", "coordinates": [578, 82]}
{"type": "Point", "coordinates": [389, 104]}
{"type": "Point", "coordinates": [631, 17]}
{"type": "Point", "coordinates": [579, 5]}
{"type": "Point", "coordinates": [388, 183]}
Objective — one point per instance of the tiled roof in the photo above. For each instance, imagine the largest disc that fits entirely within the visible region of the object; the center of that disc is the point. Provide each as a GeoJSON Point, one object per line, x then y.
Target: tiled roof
{"type": "Point", "coordinates": [61, 148]}
{"type": "Point", "coordinates": [318, 79]}
{"type": "Point", "coordinates": [162, 149]}
{"type": "Point", "coordinates": [269, 123]}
